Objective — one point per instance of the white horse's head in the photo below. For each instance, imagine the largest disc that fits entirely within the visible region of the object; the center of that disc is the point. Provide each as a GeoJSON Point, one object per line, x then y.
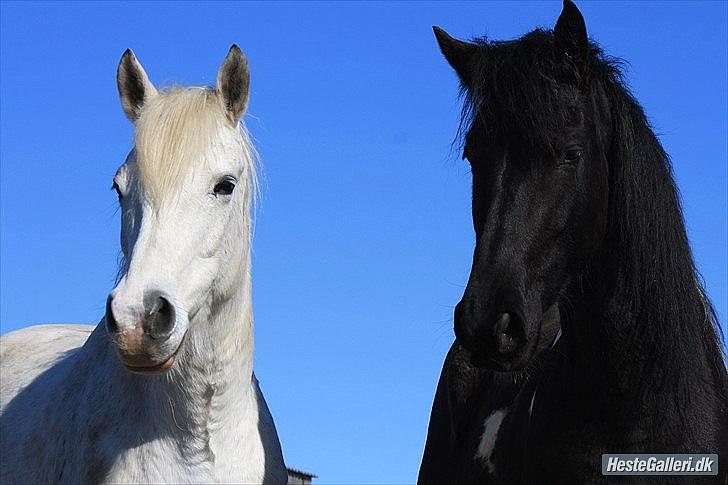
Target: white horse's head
{"type": "Point", "coordinates": [185, 192]}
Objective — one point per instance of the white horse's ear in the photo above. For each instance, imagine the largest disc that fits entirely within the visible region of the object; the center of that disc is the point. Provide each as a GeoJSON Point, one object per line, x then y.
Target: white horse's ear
{"type": "Point", "coordinates": [134, 85]}
{"type": "Point", "coordinates": [233, 83]}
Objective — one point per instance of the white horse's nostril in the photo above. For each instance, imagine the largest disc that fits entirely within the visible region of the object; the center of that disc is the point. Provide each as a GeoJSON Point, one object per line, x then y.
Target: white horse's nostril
{"type": "Point", "coordinates": [159, 315]}
{"type": "Point", "coordinates": [111, 325]}
{"type": "Point", "coordinates": [152, 317]}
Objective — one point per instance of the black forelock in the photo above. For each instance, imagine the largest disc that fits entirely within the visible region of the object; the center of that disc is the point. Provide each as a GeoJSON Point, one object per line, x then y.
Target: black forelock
{"type": "Point", "coordinates": [523, 89]}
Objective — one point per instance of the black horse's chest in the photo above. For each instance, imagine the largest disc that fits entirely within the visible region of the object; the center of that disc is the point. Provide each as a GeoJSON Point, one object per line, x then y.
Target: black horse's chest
{"type": "Point", "coordinates": [491, 440]}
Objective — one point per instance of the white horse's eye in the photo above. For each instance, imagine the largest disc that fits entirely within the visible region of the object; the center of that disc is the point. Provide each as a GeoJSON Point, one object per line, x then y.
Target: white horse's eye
{"type": "Point", "coordinates": [224, 187]}
{"type": "Point", "coordinates": [115, 186]}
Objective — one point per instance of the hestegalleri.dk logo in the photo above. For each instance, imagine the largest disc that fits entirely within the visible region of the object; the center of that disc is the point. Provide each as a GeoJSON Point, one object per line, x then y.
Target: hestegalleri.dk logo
{"type": "Point", "coordinates": [659, 464]}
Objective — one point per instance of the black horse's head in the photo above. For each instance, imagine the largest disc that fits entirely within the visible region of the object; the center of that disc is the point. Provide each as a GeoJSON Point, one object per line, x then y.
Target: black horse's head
{"type": "Point", "coordinates": [536, 137]}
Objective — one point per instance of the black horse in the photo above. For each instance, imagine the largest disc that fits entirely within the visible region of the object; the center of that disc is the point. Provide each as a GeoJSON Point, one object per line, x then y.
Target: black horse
{"type": "Point", "coordinates": [574, 207]}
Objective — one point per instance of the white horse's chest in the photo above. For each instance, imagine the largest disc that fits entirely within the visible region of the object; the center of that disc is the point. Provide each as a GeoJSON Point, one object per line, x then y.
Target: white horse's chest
{"type": "Point", "coordinates": [226, 451]}
{"type": "Point", "coordinates": [159, 461]}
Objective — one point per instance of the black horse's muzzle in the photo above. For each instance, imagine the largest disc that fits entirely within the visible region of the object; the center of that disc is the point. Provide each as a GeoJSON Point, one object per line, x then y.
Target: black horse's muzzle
{"type": "Point", "coordinates": [501, 340]}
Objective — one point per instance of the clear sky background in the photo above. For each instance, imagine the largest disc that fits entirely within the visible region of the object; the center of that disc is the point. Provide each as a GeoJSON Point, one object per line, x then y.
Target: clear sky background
{"type": "Point", "coordinates": [363, 240]}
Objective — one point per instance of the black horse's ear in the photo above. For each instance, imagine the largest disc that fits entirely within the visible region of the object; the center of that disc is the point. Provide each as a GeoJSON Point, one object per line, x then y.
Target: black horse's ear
{"type": "Point", "coordinates": [570, 35]}
{"type": "Point", "coordinates": [459, 54]}
{"type": "Point", "coordinates": [233, 83]}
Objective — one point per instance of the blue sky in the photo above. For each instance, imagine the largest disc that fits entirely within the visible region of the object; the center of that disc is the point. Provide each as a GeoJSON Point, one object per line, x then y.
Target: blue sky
{"type": "Point", "coordinates": [363, 239]}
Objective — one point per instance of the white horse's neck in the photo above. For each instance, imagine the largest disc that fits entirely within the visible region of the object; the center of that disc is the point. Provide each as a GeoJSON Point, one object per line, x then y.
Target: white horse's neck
{"type": "Point", "coordinates": [207, 401]}
{"type": "Point", "coordinates": [218, 349]}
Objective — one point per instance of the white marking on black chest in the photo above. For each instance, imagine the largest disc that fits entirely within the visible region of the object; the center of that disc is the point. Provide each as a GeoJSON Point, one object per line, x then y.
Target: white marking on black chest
{"type": "Point", "coordinates": [491, 425]}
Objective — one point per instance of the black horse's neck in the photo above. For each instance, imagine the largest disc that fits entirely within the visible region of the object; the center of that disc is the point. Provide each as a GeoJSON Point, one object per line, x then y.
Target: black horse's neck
{"type": "Point", "coordinates": [644, 330]}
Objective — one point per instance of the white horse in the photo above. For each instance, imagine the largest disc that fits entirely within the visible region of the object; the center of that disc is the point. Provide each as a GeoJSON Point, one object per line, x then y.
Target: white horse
{"type": "Point", "coordinates": [162, 390]}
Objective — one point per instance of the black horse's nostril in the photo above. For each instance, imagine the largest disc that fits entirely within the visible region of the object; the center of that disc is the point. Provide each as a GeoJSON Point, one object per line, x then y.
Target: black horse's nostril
{"type": "Point", "coordinates": [111, 325]}
{"type": "Point", "coordinates": [509, 333]}
{"type": "Point", "coordinates": [498, 338]}
{"type": "Point", "coordinates": [160, 315]}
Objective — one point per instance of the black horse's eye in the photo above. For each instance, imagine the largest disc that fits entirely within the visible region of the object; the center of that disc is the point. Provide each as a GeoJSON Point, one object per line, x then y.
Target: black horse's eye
{"type": "Point", "coordinates": [224, 187]}
{"type": "Point", "coordinates": [572, 156]}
